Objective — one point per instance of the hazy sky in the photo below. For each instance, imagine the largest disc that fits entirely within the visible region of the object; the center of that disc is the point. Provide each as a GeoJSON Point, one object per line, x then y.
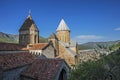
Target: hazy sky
{"type": "Point", "coordinates": [89, 20]}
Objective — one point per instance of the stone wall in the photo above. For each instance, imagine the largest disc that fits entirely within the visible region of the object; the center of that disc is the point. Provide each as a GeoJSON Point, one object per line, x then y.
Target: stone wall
{"type": "Point", "coordinates": [64, 36]}
{"type": "Point", "coordinates": [29, 36]}
{"type": "Point", "coordinates": [24, 39]}
{"type": "Point", "coordinates": [55, 44]}
{"type": "Point", "coordinates": [49, 52]}
{"type": "Point", "coordinates": [69, 58]}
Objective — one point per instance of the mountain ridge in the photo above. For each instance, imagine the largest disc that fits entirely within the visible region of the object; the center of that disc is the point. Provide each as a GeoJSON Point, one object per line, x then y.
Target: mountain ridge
{"type": "Point", "coordinates": [14, 38]}
{"type": "Point", "coordinates": [92, 45]}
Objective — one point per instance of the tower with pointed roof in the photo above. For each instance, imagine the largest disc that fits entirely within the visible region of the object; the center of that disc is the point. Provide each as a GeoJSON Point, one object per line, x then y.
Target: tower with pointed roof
{"type": "Point", "coordinates": [66, 49]}
{"type": "Point", "coordinates": [28, 33]}
{"type": "Point", "coordinates": [63, 32]}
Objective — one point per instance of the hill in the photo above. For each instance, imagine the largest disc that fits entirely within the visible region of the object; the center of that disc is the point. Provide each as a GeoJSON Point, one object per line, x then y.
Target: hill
{"type": "Point", "coordinates": [8, 38]}
{"type": "Point", "coordinates": [115, 46]}
{"type": "Point", "coordinates": [92, 45]}
{"type": "Point", "coordinates": [106, 68]}
{"type": "Point", "coordinates": [12, 38]}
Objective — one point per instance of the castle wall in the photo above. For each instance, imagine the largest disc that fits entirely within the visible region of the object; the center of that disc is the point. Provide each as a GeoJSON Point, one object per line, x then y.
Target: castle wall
{"type": "Point", "coordinates": [70, 59]}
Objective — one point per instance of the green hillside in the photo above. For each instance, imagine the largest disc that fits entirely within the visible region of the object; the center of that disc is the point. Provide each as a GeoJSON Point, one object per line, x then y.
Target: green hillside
{"type": "Point", "coordinates": [43, 40]}
{"type": "Point", "coordinates": [98, 45]}
{"type": "Point", "coordinates": [7, 40]}
{"type": "Point", "coordinates": [107, 68]}
{"type": "Point", "coordinates": [115, 46]}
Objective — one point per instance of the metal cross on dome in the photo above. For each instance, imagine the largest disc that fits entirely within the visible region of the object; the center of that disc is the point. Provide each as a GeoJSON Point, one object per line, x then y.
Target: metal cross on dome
{"type": "Point", "coordinates": [29, 12]}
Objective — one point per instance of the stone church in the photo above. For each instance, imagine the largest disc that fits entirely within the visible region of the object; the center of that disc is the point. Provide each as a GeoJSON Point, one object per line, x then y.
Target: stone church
{"type": "Point", "coordinates": [61, 46]}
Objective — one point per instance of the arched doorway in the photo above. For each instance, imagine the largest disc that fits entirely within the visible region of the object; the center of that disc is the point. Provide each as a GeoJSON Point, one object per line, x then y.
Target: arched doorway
{"type": "Point", "coordinates": [63, 75]}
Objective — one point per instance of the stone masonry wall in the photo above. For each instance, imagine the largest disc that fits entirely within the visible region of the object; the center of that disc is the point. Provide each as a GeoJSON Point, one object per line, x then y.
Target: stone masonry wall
{"type": "Point", "coordinates": [65, 55]}
{"type": "Point", "coordinates": [49, 52]}
{"type": "Point", "coordinates": [64, 36]}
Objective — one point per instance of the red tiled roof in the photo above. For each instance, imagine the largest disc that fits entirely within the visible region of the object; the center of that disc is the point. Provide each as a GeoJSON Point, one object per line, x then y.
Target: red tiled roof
{"type": "Point", "coordinates": [10, 47]}
{"type": "Point", "coordinates": [38, 46]}
{"type": "Point", "coordinates": [43, 69]}
{"type": "Point", "coordinates": [13, 60]}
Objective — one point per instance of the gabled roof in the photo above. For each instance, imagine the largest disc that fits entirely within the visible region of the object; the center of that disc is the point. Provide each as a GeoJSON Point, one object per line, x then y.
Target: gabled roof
{"type": "Point", "coordinates": [38, 46]}
{"type": "Point", "coordinates": [28, 23]}
{"type": "Point", "coordinates": [46, 69]}
{"type": "Point", "coordinates": [10, 47]}
{"type": "Point", "coordinates": [14, 60]}
{"type": "Point", "coordinates": [53, 36]}
{"type": "Point", "coordinates": [63, 26]}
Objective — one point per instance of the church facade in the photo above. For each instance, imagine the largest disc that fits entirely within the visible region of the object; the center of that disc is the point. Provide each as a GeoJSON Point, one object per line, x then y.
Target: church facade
{"type": "Point", "coordinates": [63, 47]}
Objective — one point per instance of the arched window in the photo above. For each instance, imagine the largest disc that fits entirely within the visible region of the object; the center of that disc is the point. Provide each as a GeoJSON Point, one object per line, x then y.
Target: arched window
{"type": "Point", "coordinates": [35, 38]}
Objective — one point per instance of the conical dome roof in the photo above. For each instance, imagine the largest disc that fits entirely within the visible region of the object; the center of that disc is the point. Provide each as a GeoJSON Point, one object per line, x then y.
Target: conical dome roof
{"type": "Point", "coordinates": [63, 26]}
{"type": "Point", "coordinates": [28, 23]}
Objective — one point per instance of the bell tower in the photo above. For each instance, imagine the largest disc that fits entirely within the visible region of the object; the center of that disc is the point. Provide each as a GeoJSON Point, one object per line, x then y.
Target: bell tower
{"type": "Point", "coordinates": [28, 33]}
{"type": "Point", "coordinates": [63, 32]}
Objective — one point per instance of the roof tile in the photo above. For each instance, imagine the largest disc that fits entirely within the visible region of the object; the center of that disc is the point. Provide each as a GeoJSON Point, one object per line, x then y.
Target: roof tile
{"type": "Point", "coordinates": [63, 26]}
{"type": "Point", "coordinates": [13, 60]}
{"type": "Point", "coordinates": [46, 69]}
{"type": "Point", "coordinates": [10, 47]}
{"type": "Point", "coordinates": [38, 46]}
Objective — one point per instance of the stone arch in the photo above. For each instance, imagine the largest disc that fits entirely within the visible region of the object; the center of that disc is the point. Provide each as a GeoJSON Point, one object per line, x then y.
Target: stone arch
{"type": "Point", "coordinates": [63, 75]}
{"type": "Point", "coordinates": [36, 53]}
{"type": "Point", "coordinates": [39, 53]}
{"type": "Point", "coordinates": [35, 39]}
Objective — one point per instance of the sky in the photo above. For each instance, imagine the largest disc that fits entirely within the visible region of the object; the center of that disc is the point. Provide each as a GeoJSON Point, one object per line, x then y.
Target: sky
{"type": "Point", "coordinates": [88, 20]}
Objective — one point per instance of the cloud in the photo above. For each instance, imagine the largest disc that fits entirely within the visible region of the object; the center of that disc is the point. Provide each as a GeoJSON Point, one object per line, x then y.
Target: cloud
{"type": "Point", "coordinates": [90, 37]}
{"type": "Point", "coordinates": [117, 29]}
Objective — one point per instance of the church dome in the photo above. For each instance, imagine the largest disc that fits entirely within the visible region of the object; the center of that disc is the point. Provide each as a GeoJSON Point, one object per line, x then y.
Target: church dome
{"type": "Point", "coordinates": [63, 26]}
